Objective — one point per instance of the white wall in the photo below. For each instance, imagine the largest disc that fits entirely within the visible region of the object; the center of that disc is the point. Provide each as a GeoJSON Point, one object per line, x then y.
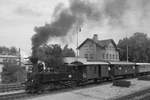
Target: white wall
{"type": "Point", "coordinates": [1, 66]}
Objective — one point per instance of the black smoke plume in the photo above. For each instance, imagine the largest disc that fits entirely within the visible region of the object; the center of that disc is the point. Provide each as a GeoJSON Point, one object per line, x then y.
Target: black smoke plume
{"type": "Point", "coordinates": [124, 14]}
{"type": "Point", "coordinates": [64, 20]}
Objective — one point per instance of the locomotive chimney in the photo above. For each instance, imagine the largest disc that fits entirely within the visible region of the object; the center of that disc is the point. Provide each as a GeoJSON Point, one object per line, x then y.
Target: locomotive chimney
{"type": "Point", "coordinates": [34, 61]}
{"type": "Point", "coordinates": [95, 37]}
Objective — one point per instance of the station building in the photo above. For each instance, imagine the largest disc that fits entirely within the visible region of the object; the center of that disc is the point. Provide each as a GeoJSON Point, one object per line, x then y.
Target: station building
{"type": "Point", "coordinates": [98, 50]}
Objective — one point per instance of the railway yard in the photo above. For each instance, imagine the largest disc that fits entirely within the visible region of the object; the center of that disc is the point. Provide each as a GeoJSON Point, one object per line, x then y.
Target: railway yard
{"type": "Point", "coordinates": [138, 90]}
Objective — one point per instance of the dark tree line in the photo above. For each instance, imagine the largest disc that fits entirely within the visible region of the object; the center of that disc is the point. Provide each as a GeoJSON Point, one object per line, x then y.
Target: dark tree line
{"type": "Point", "coordinates": [138, 48]}
{"type": "Point", "coordinates": [10, 51]}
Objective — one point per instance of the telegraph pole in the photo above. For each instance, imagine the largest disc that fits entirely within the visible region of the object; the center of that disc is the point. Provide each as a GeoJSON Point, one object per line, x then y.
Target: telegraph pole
{"type": "Point", "coordinates": [127, 47]}
{"type": "Point", "coordinates": [19, 57]}
{"type": "Point", "coordinates": [127, 52]}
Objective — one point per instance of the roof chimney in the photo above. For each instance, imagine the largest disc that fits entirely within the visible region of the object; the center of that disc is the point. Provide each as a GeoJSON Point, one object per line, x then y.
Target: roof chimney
{"type": "Point", "coordinates": [95, 37]}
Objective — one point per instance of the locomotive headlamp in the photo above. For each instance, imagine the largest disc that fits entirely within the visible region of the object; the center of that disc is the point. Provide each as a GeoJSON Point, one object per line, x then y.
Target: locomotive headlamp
{"type": "Point", "coordinates": [109, 68]}
{"type": "Point", "coordinates": [120, 68]}
{"type": "Point", "coordinates": [70, 76]}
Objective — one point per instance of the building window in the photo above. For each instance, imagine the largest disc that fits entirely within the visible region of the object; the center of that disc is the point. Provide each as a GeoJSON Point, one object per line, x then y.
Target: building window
{"type": "Point", "coordinates": [103, 56]}
{"type": "Point", "coordinates": [110, 47]}
{"type": "Point", "coordinates": [86, 47]}
{"type": "Point", "coordinates": [113, 56]}
{"type": "Point", "coordinates": [91, 56]}
{"type": "Point", "coordinates": [117, 56]}
{"type": "Point", "coordinates": [86, 56]}
{"type": "Point", "coordinates": [107, 56]}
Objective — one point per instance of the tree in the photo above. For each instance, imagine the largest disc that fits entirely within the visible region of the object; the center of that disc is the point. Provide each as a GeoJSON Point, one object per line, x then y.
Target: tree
{"type": "Point", "coordinates": [51, 55]}
{"type": "Point", "coordinates": [54, 56]}
{"type": "Point", "coordinates": [9, 73]}
{"type": "Point", "coordinates": [13, 51]}
{"type": "Point", "coordinates": [68, 52]}
{"type": "Point", "coordinates": [138, 48]}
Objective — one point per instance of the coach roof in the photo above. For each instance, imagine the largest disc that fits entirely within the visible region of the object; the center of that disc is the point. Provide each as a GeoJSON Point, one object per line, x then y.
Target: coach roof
{"type": "Point", "coordinates": [96, 63]}
{"type": "Point", "coordinates": [142, 63]}
{"type": "Point", "coordinates": [121, 63]}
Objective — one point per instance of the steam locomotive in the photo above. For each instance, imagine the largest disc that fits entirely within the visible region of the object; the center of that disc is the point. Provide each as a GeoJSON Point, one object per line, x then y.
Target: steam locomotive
{"type": "Point", "coordinates": [77, 73]}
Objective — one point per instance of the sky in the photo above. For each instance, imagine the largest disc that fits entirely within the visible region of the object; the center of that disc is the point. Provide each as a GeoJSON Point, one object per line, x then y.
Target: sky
{"type": "Point", "coordinates": [18, 19]}
{"type": "Point", "coordinates": [114, 19]}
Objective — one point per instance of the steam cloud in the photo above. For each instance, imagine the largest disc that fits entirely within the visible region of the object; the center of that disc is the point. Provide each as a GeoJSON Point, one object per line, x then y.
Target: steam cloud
{"type": "Point", "coordinates": [117, 12]}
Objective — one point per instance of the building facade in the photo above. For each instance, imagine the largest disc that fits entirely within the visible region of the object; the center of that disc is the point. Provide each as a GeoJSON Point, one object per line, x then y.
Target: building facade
{"type": "Point", "coordinates": [99, 50]}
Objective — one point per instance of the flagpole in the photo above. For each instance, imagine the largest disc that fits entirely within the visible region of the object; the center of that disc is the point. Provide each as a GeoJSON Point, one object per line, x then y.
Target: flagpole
{"type": "Point", "coordinates": [78, 30]}
{"type": "Point", "coordinates": [77, 42]}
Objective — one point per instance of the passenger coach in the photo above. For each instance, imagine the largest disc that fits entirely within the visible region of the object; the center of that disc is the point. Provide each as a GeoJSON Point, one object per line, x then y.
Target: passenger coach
{"type": "Point", "coordinates": [95, 70]}
{"type": "Point", "coordinates": [123, 69]}
{"type": "Point", "coordinates": [143, 68]}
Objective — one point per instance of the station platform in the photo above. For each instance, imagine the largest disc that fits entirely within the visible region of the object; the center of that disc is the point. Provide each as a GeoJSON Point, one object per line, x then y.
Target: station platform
{"type": "Point", "coordinates": [99, 92]}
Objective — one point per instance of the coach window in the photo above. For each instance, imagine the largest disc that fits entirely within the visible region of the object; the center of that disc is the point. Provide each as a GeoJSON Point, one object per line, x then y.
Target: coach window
{"type": "Point", "coordinates": [120, 67]}
{"type": "Point", "coordinates": [91, 67]}
{"type": "Point", "coordinates": [95, 69]}
{"type": "Point", "coordinates": [109, 68]}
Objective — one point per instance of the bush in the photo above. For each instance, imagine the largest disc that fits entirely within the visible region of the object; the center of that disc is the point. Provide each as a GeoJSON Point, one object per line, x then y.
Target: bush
{"type": "Point", "coordinates": [10, 73]}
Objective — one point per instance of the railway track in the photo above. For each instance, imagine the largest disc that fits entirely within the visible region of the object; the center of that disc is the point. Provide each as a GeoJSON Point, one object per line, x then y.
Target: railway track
{"type": "Point", "coordinates": [13, 96]}
{"type": "Point", "coordinates": [21, 95]}
{"type": "Point", "coordinates": [11, 87]}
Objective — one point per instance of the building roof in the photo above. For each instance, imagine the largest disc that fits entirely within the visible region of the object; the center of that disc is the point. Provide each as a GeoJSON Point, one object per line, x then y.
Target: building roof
{"type": "Point", "coordinates": [99, 43]}
{"type": "Point", "coordinates": [105, 43]}
{"type": "Point", "coordinates": [96, 63]}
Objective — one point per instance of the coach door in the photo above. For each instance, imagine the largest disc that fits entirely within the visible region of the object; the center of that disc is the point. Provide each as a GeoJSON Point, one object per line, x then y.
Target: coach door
{"type": "Point", "coordinates": [99, 70]}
